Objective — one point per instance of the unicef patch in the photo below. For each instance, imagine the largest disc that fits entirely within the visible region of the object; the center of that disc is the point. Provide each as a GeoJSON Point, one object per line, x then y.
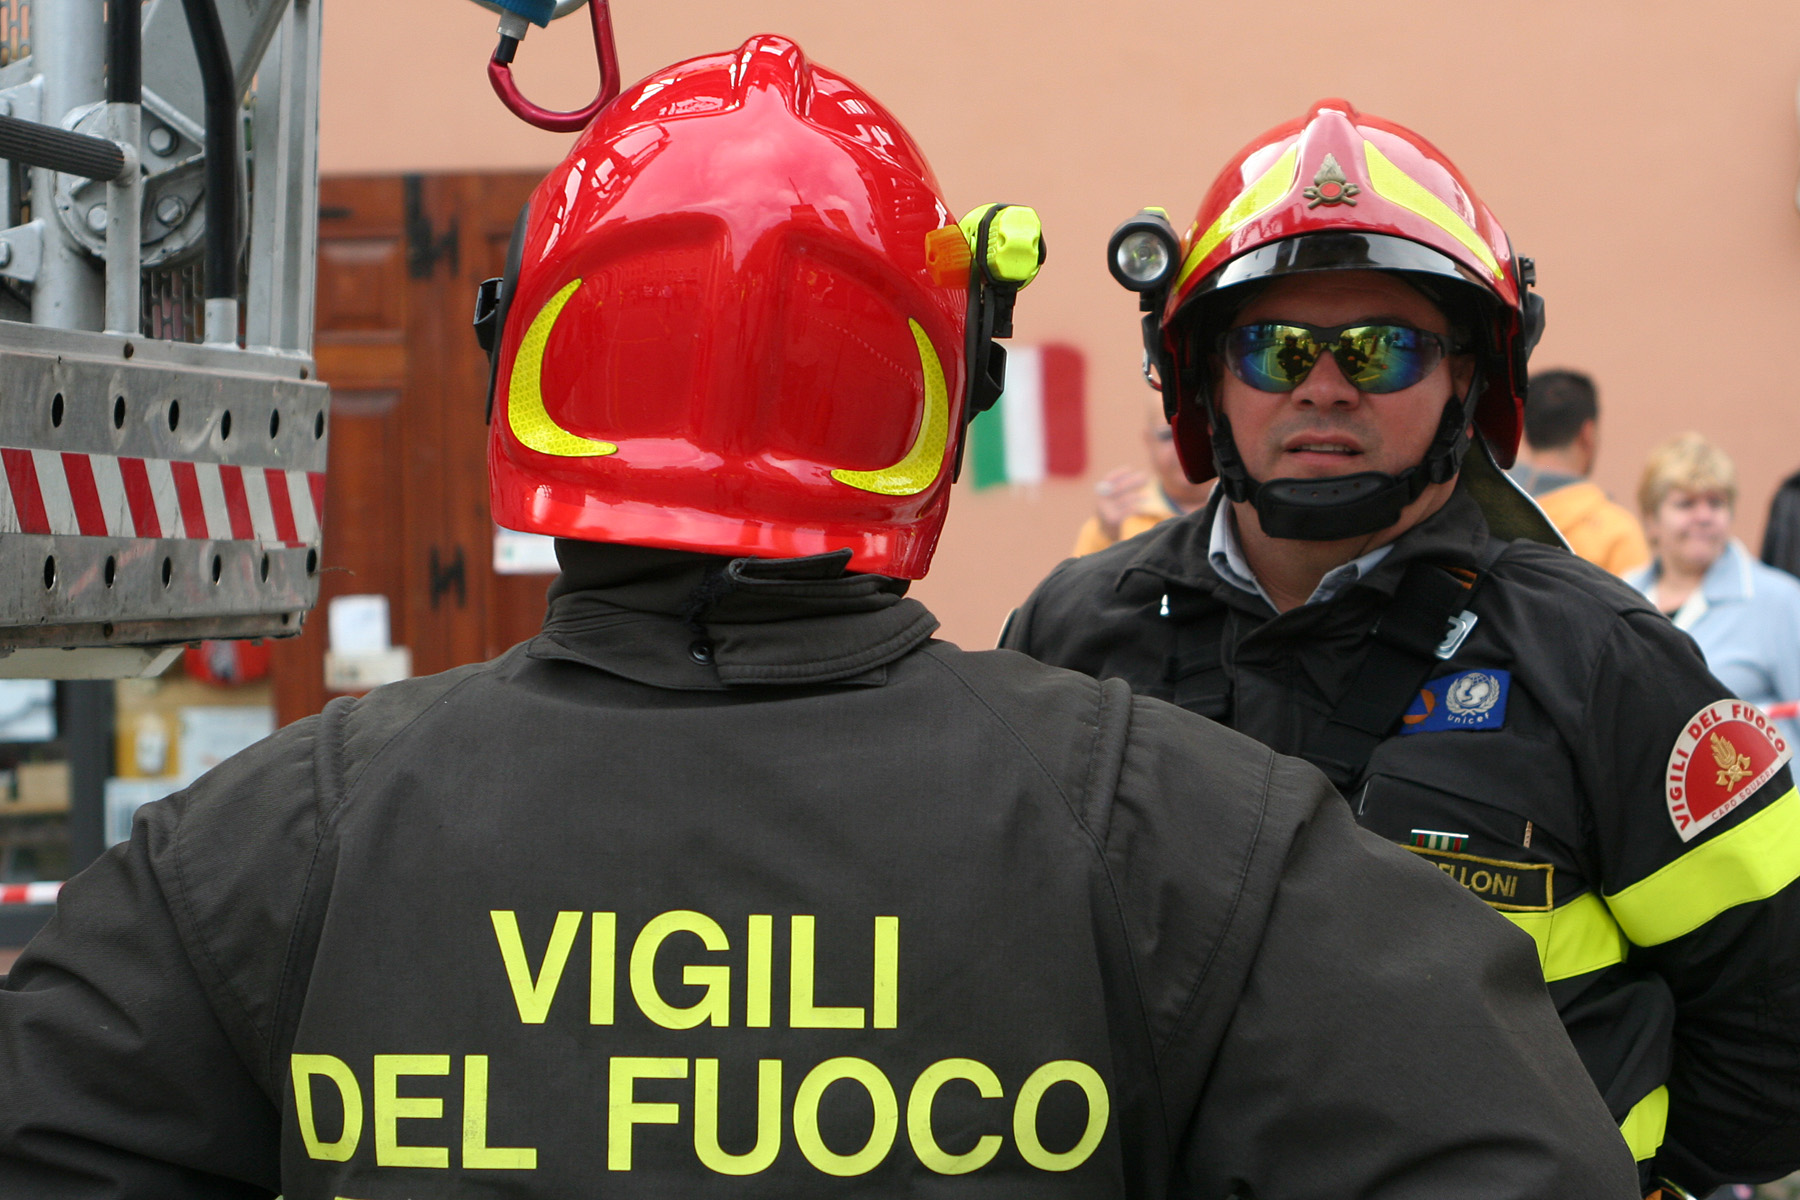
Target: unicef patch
{"type": "Point", "coordinates": [1467, 700]}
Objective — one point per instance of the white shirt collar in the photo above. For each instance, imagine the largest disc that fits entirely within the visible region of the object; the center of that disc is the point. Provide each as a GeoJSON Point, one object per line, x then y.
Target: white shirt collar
{"type": "Point", "coordinates": [1229, 563]}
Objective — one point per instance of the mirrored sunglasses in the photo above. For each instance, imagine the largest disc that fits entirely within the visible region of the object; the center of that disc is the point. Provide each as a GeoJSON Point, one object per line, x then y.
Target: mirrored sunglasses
{"type": "Point", "coordinates": [1276, 356]}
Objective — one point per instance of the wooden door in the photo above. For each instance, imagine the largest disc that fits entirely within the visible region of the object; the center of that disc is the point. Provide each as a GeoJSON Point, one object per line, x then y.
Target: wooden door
{"type": "Point", "coordinates": [406, 510]}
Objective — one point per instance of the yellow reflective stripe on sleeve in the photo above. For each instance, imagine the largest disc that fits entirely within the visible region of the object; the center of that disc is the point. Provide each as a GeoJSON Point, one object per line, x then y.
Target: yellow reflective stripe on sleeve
{"type": "Point", "coordinates": [1751, 862]}
{"type": "Point", "coordinates": [1643, 1126]}
{"type": "Point", "coordinates": [1396, 185]}
{"type": "Point", "coordinates": [1251, 203]}
{"type": "Point", "coordinates": [1579, 937]}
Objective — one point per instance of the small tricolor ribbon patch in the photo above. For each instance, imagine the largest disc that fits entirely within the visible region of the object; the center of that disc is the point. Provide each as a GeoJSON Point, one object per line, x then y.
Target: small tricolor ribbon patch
{"type": "Point", "coordinates": [1432, 839]}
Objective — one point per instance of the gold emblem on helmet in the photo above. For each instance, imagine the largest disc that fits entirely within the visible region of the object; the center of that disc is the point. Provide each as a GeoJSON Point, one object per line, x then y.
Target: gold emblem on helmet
{"type": "Point", "coordinates": [1330, 186]}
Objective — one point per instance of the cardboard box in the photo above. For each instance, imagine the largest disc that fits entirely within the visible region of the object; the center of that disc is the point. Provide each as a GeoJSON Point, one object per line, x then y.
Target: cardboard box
{"type": "Point", "coordinates": [42, 787]}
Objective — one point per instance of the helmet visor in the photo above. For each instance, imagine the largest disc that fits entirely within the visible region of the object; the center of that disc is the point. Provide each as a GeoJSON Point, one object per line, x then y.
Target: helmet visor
{"type": "Point", "coordinates": [1346, 251]}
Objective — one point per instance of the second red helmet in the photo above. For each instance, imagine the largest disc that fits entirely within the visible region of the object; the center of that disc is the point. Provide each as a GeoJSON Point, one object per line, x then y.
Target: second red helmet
{"type": "Point", "coordinates": [1342, 190]}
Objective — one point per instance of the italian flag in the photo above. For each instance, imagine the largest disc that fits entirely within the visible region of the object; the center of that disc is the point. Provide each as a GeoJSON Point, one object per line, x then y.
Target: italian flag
{"type": "Point", "coordinates": [1038, 427]}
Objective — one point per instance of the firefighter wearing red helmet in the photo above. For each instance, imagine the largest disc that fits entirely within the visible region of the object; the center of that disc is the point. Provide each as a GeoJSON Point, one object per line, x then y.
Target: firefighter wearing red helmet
{"type": "Point", "coordinates": [734, 883]}
{"type": "Point", "coordinates": [1341, 337]}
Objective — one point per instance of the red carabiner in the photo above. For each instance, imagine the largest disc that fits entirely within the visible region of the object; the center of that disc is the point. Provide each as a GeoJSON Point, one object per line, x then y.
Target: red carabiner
{"type": "Point", "coordinates": [500, 75]}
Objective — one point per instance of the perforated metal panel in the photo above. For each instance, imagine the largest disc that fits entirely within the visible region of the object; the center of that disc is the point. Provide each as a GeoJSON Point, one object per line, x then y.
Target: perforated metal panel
{"type": "Point", "coordinates": [154, 490]}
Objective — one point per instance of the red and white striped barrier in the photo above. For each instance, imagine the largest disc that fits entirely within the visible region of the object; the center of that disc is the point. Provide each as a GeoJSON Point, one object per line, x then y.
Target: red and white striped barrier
{"type": "Point", "coordinates": [29, 893]}
{"type": "Point", "coordinates": [1786, 710]}
{"type": "Point", "coordinates": [104, 495]}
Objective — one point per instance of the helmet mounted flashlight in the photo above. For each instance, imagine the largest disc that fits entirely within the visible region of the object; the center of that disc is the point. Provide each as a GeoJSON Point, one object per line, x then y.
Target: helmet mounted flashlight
{"type": "Point", "coordinates": [1143, 252]}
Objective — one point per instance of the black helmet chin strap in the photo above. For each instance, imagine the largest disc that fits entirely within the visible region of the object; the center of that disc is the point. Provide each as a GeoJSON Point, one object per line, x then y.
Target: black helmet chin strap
{"type": "Point", "coordinates": [1344, 506]}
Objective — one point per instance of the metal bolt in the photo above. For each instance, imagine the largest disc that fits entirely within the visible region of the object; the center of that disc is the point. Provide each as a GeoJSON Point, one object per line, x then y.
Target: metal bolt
{"type": "Point", "coordinates": [162, 139]}
{"type": "Point", "coordinates": [5, 107]}
{"type": "Point", "coordinates": [96, 218]}
{"type": "Point", "coordinates": [170, 210]}
{"type": "Point", "coordinates": [5, 254]}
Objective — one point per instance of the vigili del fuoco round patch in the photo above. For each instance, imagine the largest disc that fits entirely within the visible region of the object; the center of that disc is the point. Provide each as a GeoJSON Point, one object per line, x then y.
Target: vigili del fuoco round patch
{"type": "Point", "coordinates": [1727, 751]}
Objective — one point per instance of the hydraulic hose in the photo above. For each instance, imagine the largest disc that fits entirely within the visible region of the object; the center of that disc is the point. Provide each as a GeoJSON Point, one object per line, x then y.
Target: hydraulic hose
{"type": "Point", "coordinates": [219, 87]}
{"type": "Point", "coordinates": [125, 53]}
{"type": "Point", "coordinates": [125, 195]}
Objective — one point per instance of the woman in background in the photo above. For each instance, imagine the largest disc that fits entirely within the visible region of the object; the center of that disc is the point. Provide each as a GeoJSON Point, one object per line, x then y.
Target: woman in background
{"type": "Point", "coordinates": [1744, 615]}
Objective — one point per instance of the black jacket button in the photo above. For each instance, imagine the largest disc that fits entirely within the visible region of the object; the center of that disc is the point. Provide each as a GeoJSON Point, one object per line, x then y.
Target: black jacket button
{"type": "Point", "coordinates": [701, 652]}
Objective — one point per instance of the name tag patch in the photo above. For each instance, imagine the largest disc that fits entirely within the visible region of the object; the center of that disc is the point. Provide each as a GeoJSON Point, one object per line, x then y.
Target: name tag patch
{"type": "Point", "coordinates": [1466, 700]}
{"type": "Point", "coordinates": [1513, 886]}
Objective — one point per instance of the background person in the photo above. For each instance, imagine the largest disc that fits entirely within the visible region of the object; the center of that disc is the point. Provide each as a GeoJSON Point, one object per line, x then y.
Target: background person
{"type": "Point", "coordinates": [1781, 536]}
{"type": "Point", "coordinates": [692, 894]}
{"type": "Point", "coordinates": [1129, 501]}
{"type": "Point", "coordinates": [1562, 432]}
{"type": "Point", "coordinates": [1744, 615]}
{"type": "Point", "coordinates": [1363, 591]}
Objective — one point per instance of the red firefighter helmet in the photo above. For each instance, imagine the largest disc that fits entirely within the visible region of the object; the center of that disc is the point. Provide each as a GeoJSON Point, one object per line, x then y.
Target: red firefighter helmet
{"type": "Point", "coordinates": [1341, 190]}
{"type": "Point", "coordinates": [731, 329]}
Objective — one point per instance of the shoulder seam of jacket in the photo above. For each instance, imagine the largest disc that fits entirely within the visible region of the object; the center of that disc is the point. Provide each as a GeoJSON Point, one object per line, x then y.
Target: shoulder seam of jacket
{"type": "Point", "coordinates": [1108, 691]}
{"type": "Point", "coordinates": [1037, 762]}
{"type": "Point", "coordinates": [1237, 896]}
{"type": "Point", "coordinates": [328, 778]}
{"type": "Point", "coordinates": [475, 671]}
{"type": "Point", "coordinates": [1107, 703]}
{"type": "Point", "coordinates": [333, 792]}
{"type": "Point", "coordinates": [1617, 611]}
{"type": "Point", "coordinates": [1137, 985]}
{"type": "Point", "coordinates": [1099, 848]}
{"type": "Point", "coordinates": [221, 979]}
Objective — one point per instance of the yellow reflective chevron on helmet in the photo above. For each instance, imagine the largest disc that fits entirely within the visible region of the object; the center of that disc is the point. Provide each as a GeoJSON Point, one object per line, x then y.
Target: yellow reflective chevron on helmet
{"type": "Point", "coordinates": [1575, 939]}
{"type": "Point", "coordinates": [1251, 203]}
{"type": "Point", "coordinates": [530, 422]}
{"type": "Point", "coordinates": [914, 473]}
{"type": "Point", "coordinates": [1395, 185]}
{"type": "Point", "coordinates": [1746, 863]}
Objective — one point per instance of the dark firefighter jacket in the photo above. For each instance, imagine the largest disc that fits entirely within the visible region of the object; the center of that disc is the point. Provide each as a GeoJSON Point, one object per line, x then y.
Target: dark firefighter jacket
{"type": "Point", "coordinates": [807, 904]}
{"type": "Point", "coordinates": [1675, 963]}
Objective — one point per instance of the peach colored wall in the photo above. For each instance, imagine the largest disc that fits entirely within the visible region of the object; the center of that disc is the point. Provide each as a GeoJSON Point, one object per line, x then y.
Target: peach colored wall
{"type": "Point", "coordinates": [1645, 154]}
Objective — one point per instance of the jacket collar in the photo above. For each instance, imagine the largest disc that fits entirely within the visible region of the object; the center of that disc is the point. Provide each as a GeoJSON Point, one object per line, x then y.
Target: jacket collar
{"type": "Point", "coordinates": [700, 622]}
{"type": "Point", "coordinates": [1176, 555]}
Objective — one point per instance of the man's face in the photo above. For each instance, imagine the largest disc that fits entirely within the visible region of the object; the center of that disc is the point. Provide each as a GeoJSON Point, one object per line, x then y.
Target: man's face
{"type": "Point", "coordinates": [1325, 427]}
